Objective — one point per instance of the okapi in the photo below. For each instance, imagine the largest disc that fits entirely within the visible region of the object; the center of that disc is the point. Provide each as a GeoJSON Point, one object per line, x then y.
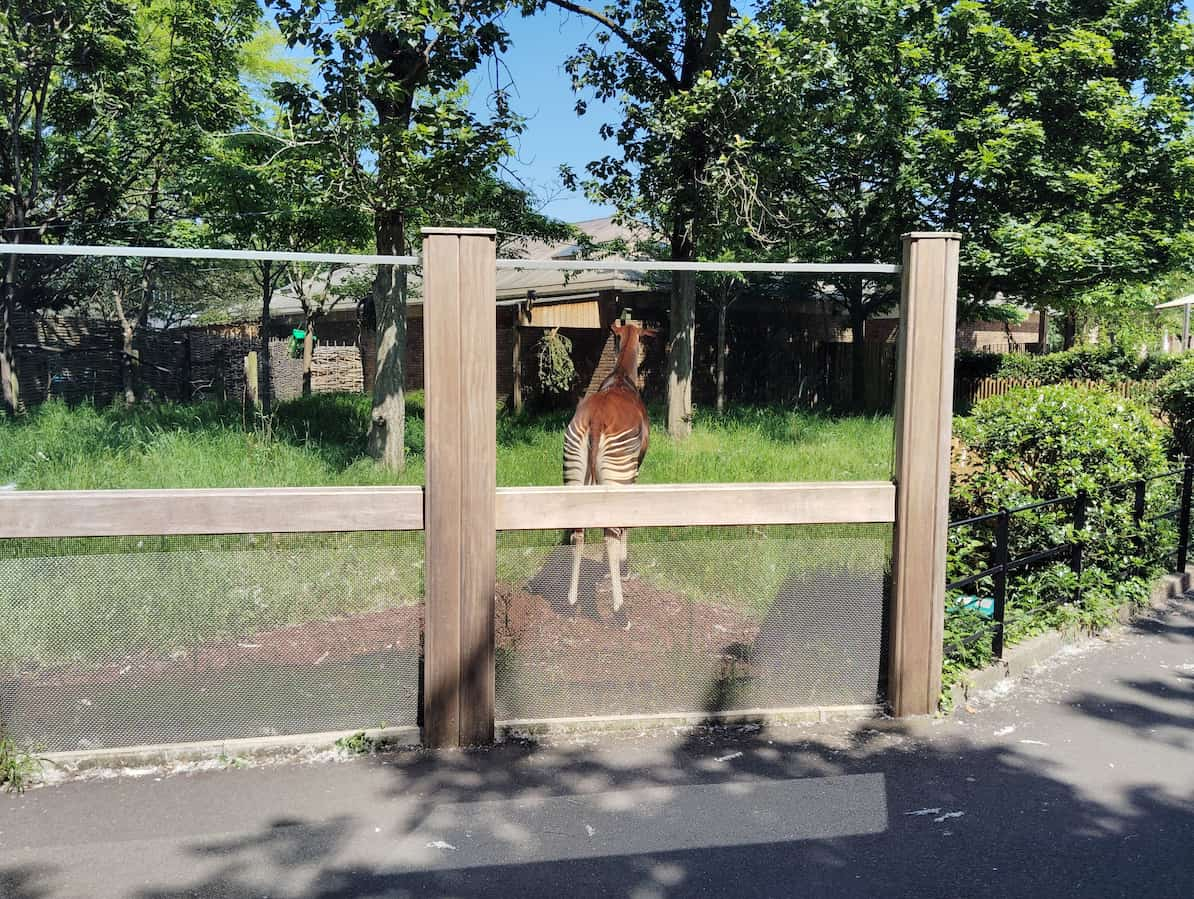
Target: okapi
{"type": "Point", "coordinates": [605, 444]}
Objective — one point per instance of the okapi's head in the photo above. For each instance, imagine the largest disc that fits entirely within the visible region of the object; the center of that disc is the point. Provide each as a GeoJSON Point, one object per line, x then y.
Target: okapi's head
{"type": "Point", "coordinates": [629, 336]}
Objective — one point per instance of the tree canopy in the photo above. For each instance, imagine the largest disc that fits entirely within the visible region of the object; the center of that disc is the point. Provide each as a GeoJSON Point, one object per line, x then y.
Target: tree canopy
{"type": "Point", "coordinates": [1057, 138]}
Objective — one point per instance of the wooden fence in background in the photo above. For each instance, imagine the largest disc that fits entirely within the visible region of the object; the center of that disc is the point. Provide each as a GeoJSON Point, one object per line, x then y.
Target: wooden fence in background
{"type": "Point", "coordinates": [968, 391]}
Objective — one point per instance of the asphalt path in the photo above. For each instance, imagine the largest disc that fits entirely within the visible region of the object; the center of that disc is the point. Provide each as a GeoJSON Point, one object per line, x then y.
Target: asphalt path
{"type": "Point", "coordinates": [1075, 781]}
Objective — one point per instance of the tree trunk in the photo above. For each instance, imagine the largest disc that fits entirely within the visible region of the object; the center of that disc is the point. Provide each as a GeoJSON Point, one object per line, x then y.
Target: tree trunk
{"type": "Point", "coordinates": [266, 385]}
{"type": "Point", "coordinates": [516, 361]}
{"type": "Point", "coordinates": [722, 308]}
{"type": "Point", "coordinates": [679, 354]}
{"type": "Point", "coordinates": [308, 357]}
{"type": "Point", "coordinates": [857, 350]}
{"type": "Point", "coordinates": [128, 362]}
{"type": "Point", "coordinates": [9, 389]}
{"type": "Point", "coordinates": [1069, 332]}
{"type": "Point", "coordinates": [1042, 331]}
{"type": "Point", "coordinates": [128, 330]}
{"type": "Point", "coordinates": [387, 430]}
{"type": "Point", "coordinates": [681, 335]}
{"type": "Point", "coordinates": [187, 389]}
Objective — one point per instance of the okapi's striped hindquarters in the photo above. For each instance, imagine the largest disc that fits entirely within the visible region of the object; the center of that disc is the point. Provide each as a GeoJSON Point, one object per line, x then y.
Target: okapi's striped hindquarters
{"type": "Point", "coordinates": [605, 444]}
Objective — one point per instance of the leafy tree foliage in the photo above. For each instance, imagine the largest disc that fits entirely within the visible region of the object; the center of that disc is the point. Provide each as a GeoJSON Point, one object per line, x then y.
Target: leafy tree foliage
{"type": "Point", "coordinates": [106, 103]}
{"type": "Point", "coordinates": [1056, 137]}
{"type": "Point", "coordinates": [674, 68]}
{"type": "Point", "coordinates": [390, 111]}
{"type": "Point", "coordinates": [56, 161]}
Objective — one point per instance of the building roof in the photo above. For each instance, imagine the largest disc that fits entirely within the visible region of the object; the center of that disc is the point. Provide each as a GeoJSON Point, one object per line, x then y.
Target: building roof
{"type": "Point", "coordinates": [513, 284]}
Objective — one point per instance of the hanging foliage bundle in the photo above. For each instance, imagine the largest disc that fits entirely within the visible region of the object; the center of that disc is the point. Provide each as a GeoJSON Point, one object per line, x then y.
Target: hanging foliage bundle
{"type": "Point", "coordinates": [557, 373]}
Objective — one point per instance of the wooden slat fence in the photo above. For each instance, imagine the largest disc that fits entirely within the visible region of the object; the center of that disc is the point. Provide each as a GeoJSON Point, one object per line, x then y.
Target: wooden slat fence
{"type": "Point", "coordinates": [969, 391]}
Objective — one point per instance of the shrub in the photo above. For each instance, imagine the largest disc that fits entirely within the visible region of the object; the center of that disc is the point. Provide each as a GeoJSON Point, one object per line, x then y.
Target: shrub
{"type": "Point", "coordinates": [1095, 363]}
{"type": "Point", "coordinates": [1175, 399]}
{"type": "Point", "coordinates": [1158, 365]}
{"type": "Point", "coordinates": [1084, 363]}
{"type": "Point", "coordinates": [557, 373]}
{"type": "Point", "coordinates": [1043, 443]}
{"type": "Point", "coordinates": [974, 364]}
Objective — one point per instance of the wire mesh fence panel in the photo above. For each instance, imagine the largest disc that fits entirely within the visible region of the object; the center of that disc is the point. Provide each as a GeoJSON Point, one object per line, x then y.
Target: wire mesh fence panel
{"type": "Point", "coordinates": [111, 641]}
{"type": "Point", "coordinates": [713, 620]}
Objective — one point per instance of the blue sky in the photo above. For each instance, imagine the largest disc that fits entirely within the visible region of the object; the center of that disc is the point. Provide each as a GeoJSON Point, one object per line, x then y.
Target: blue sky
{"type": "Point", "coordinates": [543, 93]}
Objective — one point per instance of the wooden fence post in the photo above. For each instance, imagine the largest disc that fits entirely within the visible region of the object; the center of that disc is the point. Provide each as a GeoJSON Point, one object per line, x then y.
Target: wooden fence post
{"type": "Point", "coordinates": [251, 394]}
{"type": "Point", "coordinates": [923, 411]}
{"type": "Point", "coordinates": [460, 358]}
{"type": "Point", "coordinates": [517, 359]}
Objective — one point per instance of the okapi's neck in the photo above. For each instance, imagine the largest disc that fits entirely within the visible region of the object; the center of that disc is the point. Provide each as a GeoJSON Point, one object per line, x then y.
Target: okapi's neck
{"type": "Point", "coordinates": [627, 364]}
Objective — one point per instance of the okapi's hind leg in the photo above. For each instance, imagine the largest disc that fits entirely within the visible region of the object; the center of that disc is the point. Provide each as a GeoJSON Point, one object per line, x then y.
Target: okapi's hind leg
{"type": "Point", "coordinates": [577, 538]}
{"type": "Point", "coordinates": [615, 551]}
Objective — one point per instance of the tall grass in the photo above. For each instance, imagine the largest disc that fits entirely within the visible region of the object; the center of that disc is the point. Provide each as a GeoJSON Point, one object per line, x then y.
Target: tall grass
{"type": "Point", "coordinates": [320, 441]}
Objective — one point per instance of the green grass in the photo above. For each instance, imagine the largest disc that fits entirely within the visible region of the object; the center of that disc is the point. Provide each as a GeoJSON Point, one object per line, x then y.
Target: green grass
{"type": "Point", "coordinates": [19, 768]}
{"type": "Point", "coordinates": [88, 600]}
{"type": "Point", "coordinates": [319, 441]}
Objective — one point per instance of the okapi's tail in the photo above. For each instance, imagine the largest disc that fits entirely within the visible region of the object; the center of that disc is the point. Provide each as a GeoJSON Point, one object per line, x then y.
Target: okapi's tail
{"type": "Point", "coordinates": [593, 470]}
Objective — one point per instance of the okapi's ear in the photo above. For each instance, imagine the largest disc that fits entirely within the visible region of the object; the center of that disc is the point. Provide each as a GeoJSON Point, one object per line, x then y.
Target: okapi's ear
{"type": "Point", "coordinates": [617, 327]}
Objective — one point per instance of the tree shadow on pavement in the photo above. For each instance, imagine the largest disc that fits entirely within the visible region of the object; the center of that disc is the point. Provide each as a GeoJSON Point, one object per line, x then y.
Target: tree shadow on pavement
{"type": "Point", "coordinates": [875, 811]}
{"type": "Point", "coordinates": [881, 807]}
{"type": "Point", "coordinates": [26, 882]}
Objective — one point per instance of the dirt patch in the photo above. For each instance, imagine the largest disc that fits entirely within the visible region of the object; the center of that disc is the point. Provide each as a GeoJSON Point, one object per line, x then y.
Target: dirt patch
{"type": "Point", "coordinates": [651, 622]}
{"type": "Point", "coordinates": [363, 671]}
{"type": "Point", "coordinates": [661, 651]}
{"type": "Point", "coordinates": [310, 644]}
{"type": "Point", "coordinates": [818, 643]}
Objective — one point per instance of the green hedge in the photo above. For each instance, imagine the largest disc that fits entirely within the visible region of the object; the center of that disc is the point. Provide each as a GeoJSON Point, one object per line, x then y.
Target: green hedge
{"type": "Point", "coordinates": [1175, 400]}
{"type": "Point", "coordinates": [1095, 363]}
{"type": "Point", "coordinates": [1040, 443]}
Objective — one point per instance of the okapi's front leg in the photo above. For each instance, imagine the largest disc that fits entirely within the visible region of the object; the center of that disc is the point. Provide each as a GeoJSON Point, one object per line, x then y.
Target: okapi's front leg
{"type": "Point", "coordinates": [578, 545]}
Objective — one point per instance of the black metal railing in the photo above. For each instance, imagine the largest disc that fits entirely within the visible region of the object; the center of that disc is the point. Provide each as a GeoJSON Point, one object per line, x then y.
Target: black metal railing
{"type": "Point", "coordinates": [1001, 565]}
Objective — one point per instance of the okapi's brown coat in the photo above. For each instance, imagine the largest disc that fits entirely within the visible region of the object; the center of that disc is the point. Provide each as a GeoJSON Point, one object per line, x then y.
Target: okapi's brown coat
{"type": "Point", "coordinates": [605, 444]}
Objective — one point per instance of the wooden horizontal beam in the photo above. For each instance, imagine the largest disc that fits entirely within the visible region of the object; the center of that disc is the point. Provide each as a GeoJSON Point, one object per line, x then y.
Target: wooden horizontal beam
{"type": "Point", "coordinates": [667, 265]}
{"type": "Point", "coordinates": [267, 510]}
{"type": "Point", "coordinates": [664, 505]}
{"type": "Point", "coordinates": [297, 510]}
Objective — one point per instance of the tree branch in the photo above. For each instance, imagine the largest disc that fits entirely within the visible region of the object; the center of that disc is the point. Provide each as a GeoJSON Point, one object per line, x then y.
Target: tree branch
{"type": "Point", "coordinates": [663, 67]}
{"type": "Point", "coordinates": [719, 18]}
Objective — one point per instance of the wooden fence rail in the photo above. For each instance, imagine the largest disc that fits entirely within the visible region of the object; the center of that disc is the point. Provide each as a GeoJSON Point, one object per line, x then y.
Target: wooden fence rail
{"type": "Point", "coordinates": [318, 510]}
